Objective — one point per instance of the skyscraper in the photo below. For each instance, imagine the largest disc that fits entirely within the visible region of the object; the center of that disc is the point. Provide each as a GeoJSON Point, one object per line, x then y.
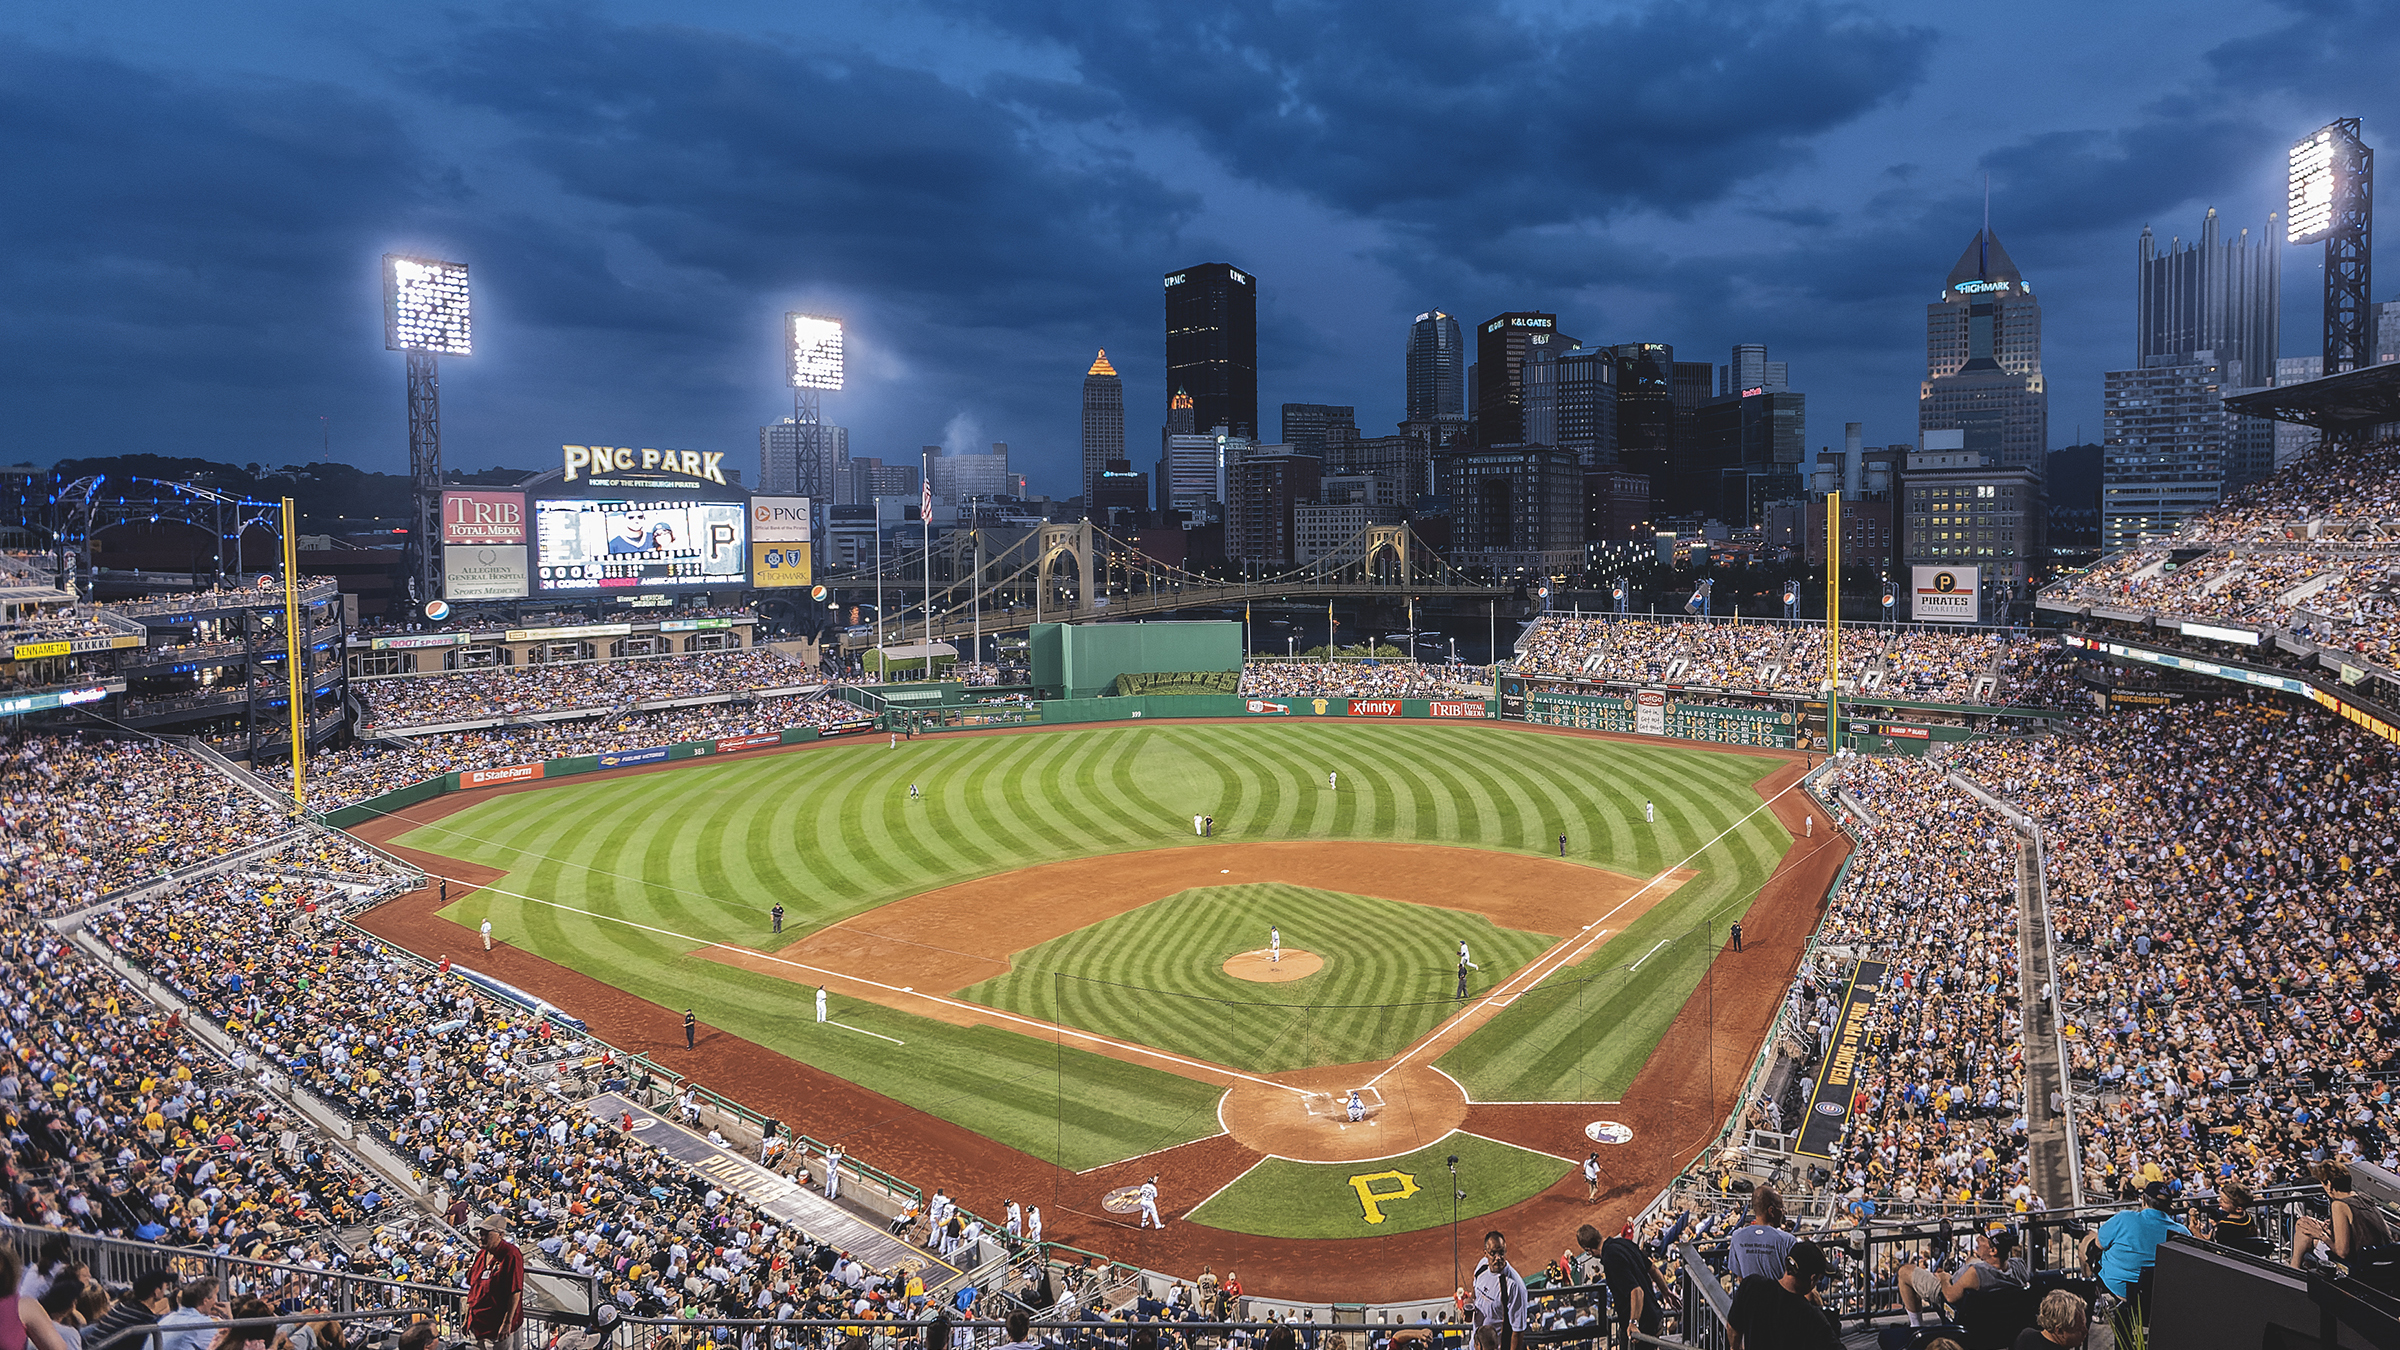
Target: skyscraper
{"type": "Point", "coordinates": [1571, 402]}
{"type": "Point", "coordinates": [1437, 358]}
{"type": "Point", "coordinates": [1983, 359]}
{"type": "Point", "coordinates": [1311, 428]}
{"type": "Point", "coordinates": [2216, 303]}
{"type": "Point", "coordinates": [2216, 295]}
{"type": "Point", "coordinates": [809, 459]}
{"type": "Point", "coordinates": [1212, 345]}
{"type": "Point", "coordinates": [1645, 407]}
{"type": "Point", "coordinates": [1501, 344]}
{"type": "Point", "coordinates": [1751, 370]}
{"type": "Point", "coordinates": [1103, 422]}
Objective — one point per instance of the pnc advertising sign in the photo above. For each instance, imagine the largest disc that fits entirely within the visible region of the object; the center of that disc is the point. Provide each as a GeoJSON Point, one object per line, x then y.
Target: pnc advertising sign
{"type": "Point", "coordinates": [483, 517]}
{"type": "Point", "coordinates": [779, 520]}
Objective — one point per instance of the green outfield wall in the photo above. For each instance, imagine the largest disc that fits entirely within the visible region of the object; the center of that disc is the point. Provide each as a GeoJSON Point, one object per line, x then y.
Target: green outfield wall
{"type": "Point", "coordinates": [1080, 660]}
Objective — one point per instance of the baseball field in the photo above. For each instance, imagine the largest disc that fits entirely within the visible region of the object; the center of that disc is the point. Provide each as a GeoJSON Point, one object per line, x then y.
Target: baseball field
{"type": "Point", "coordinates": [1023, 935]}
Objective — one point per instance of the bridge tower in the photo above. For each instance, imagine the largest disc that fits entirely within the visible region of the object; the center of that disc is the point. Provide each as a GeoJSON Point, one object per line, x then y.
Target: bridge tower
{"type": "Point", "coordinates": [1380, 539]}
{"type": "Point", "coordinates": [1057, 539]}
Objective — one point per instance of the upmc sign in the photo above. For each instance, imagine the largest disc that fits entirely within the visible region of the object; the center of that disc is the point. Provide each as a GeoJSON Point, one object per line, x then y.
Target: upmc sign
{"type": "Point", "coordinates": [483, 517]}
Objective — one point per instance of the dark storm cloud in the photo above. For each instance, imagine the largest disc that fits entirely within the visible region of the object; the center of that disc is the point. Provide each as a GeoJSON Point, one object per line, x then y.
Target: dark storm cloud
{"type": "Point", "coordinates": [760, 166]}
{"type": "Point", "coordinates": [1445, 118]}
{"type": "Point", "coordinates": [163, 228]}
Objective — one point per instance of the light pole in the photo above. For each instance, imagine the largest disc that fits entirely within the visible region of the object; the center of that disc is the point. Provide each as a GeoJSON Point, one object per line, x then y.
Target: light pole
{"type": "Point", "coordinates": [878, 501]}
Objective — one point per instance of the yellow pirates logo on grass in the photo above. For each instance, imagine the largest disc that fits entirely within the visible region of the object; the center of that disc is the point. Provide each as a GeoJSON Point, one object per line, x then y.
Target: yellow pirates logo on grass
{"type": "Point", "coordinates": [1372, 1200]}
{"type": "Point", "coordinates": [1122, 1200]}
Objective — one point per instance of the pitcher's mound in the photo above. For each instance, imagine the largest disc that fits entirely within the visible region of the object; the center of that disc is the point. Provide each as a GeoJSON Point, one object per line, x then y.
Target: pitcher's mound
{"type": "Point", "coordinates": [1255, 966]}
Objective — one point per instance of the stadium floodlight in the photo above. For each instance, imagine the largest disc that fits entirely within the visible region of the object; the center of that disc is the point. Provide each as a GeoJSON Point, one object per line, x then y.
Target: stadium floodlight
{"type": "Point", "coordinates": [2316, 165]}
{"type": "Point", "coordinates": [815, 343]}
{"type": "Point", "coordinates": [425, 306]}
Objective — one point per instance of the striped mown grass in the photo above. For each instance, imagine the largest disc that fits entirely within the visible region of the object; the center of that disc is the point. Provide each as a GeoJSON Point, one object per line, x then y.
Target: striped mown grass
{"type": "Point", "coordinates": [624, 878]}
{"type": "Point", "coordinates": [1156, 976]}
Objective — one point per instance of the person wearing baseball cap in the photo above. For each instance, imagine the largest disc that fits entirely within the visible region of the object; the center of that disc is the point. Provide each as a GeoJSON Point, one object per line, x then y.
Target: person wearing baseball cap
{"type": "Point", "coordinates": [495, 1285]}
{"type": "Point", "coordinates": [1784, 1311]}
{"type": "Point", "coordinates": [2128, 1243]}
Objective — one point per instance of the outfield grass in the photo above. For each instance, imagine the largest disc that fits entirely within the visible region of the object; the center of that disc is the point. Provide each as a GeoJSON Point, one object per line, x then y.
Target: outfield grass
{"type": "Point", "coordinates": [701, 853]}
{"type": "Point", "coordinates": [1282, 1198]}
{"type": "Point", "coordinates": [1155, 976]}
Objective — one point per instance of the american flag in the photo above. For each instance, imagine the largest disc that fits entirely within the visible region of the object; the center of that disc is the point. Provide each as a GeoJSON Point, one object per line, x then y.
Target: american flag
{"type": "Point", "coordinates": [925, 499]}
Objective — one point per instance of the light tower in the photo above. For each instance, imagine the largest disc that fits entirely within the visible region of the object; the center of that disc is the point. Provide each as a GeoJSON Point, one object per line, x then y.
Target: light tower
{"type": "Point", "coordinates": [425, 314]}
{"type": "Point", "coordinates": [2333, 199]}
{"type": "Point", "coordinates": [812, 365]}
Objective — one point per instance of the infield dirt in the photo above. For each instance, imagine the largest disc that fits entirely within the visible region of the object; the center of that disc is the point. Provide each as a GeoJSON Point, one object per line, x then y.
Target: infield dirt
{"type": "Point", "coordinates": [1674, 1105]}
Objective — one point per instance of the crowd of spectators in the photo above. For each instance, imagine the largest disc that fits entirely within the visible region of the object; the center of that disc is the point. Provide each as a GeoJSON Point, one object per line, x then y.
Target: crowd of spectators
{"type": "Point", "coordinates": [437, 1069]}
{"type": "Point", "coordinates": [399, 701]}
{"type": "Point", "coordinates": [2310, 549]}
{"type": "Point", "coordinates": [372, 768]}
{"type": "Point", "coordinates": [52, 626]}
{"type": "Point", "coordinates": [1968, 666]}
{"type": "Point", "coordinates": [80, 817]}
{"type": "Point", "coordinates": [1937, 1118]}
{"type": "Point", "coordinates": [1392, 678]}
{"type": "Point", "coordinates": [2221, 886]}
{"type": "Point", "coordinates": [121, 1124]}
{"type": "Point", "coordinates": [544, 619]}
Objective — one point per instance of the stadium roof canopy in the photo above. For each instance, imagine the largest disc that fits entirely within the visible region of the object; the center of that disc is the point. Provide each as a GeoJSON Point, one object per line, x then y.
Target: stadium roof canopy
{"type": "Point", "coordinates": [2350, 401]}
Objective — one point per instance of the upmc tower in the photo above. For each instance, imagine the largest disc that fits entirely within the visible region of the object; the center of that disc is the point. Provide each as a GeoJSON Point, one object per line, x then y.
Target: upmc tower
{"type": "Point", "coordinates": [1212, 346]}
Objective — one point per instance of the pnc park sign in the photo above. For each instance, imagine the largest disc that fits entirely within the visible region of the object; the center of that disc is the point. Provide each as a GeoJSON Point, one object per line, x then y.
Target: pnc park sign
{"type": "Point", "coordinates": [591, 460]}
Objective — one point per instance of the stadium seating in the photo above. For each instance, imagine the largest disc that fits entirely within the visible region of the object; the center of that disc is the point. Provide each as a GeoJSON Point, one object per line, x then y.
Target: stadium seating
{"type": "Point", "coordinates": [1917, 665]}
{"type": "Point", "coordinates": [2312, 550]}
{"type": "Point", "coordinates": [398, 702]}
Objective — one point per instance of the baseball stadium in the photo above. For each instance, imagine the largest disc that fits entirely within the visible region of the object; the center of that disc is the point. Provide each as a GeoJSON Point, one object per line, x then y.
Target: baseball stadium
{"type": "Point", "coordinates": [1117, 970]}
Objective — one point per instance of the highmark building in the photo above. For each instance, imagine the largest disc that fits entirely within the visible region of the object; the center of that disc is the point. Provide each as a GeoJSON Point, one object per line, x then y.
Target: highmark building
{"type": "Point", "coordinates": [1983, 360]}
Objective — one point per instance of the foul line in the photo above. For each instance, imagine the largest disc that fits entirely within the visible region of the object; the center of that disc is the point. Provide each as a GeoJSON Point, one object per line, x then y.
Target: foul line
{"type": "Point", "coordinates": [1647, 955]}
{"type": "Point", "coordinates": [1559, 957]}
{"type": "Point", "coordinates": [864, 1032]}
{"type": "Point", "coordinates": [978, 1009]}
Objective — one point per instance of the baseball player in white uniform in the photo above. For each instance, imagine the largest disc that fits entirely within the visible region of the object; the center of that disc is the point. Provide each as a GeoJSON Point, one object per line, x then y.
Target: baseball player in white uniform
{"type": "Point", "coordinates": [1649, 813]}
{"type": "Point", "coordinates": [1331, 779]}
{"type": "Point", "coordinates": [833, 1171]}
{"type": "Point", "coordinates": [1150, 1206]}
{"type": "Point", "coordinates": [1033, 1224]}
{"type": "Point", "coordinates": [1274, 944]}
{"type": "Point", "coordinates": [1014, 1223]}
{"type": "Point", "coordinates": [1358, 1109]}
{"type": "Point", "coordinates": [1196, 826]}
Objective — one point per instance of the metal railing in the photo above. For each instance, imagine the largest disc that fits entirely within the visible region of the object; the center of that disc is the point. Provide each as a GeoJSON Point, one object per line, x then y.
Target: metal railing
{"type": "Point", "coordinates": [118, 1262]}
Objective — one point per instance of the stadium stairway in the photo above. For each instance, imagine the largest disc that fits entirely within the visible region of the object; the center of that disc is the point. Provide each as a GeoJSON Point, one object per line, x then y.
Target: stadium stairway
{"type": "Point", "coordinates": [785, 1201]}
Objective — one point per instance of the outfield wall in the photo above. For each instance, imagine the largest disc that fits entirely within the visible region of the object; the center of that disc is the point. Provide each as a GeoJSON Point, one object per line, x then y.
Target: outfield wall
{"type": "Point", "coordinates": [1059, 710]}
{"type": "Point", "coordinates": [466, 780]}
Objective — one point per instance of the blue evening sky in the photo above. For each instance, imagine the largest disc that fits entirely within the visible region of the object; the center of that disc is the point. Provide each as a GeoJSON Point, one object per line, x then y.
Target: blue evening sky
{"type": "Point", "coordinates": [198, 195]}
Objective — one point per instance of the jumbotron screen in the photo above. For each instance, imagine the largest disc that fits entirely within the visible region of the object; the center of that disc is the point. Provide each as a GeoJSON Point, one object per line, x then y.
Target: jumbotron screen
{"type": "Point", "coordinates": [598, 544]}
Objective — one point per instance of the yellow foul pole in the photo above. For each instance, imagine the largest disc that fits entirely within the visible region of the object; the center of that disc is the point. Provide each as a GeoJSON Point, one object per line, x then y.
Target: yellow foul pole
{"type": "Point", "coordinates": [1833, 618]}
{"type": "Point", "coordinates": [291, 648]}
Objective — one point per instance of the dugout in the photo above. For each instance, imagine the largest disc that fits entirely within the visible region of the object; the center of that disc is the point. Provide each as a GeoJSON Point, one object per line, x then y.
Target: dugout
{"type": "Point", "coordinates": [1083, 660]}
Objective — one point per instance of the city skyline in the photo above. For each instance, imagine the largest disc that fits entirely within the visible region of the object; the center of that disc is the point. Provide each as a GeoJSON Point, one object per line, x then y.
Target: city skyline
{"type": "Point", "coordinates": [631, 253]}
